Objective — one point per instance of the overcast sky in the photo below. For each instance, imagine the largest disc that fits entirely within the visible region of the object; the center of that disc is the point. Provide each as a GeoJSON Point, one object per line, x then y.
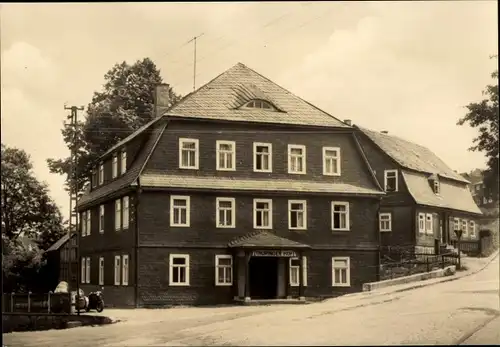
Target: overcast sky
{"type": "Point", "coordinates": [406, 67]}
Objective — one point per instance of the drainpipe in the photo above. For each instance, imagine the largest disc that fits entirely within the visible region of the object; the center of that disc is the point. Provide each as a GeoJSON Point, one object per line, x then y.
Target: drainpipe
{"type": "Point", "coordinates": [379, 239]}
{"type": "Point", "coordinates": [138, 193]}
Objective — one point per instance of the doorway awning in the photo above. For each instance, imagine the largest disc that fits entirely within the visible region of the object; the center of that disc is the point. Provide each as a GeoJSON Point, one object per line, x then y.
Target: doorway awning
{"type": "Point", "coordinates": [265, 239]}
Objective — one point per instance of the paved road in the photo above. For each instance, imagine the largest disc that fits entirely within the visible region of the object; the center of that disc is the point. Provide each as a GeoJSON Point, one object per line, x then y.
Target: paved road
{"type": "Point", "coordinates": [465, 311]}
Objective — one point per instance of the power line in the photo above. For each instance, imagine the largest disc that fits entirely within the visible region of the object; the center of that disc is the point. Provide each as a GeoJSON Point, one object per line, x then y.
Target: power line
{"type": "Point", "coordinates": [287, 32]}
{"type": "Point", "coordinates": [218, 50]}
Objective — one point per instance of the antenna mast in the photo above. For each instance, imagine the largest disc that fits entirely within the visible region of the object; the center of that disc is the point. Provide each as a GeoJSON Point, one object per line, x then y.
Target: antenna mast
{"type": "Point", "coordinates": [194, 62]}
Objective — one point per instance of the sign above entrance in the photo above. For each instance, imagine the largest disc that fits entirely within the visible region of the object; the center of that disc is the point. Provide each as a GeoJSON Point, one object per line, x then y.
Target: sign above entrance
{"type": "Point", "coordinates": [271, 253]}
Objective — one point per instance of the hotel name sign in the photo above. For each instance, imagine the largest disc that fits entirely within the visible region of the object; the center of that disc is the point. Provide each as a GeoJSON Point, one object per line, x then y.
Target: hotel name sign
{"type": "Point", "coordinates": [272, 253]}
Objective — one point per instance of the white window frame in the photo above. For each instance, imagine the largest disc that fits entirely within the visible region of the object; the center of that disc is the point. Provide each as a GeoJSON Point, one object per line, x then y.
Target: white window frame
{"type": "Point", "coordinates": [125, 269]}
{"type": "Point", "coordinates": [232, 212]}
{"type": "Point", "coordinates": [347, 213]}
{"type": "Point", "coordinates": [348, 272]}
{"type": "Point", "coordinates": [123, 161]}
{"type": "Point", "coordinates": [118, 214]}
{"type": "Point", "coordinates": [89, 223]}
{"type": "Point", "coordinates": [171, 273]}
{"type": "Point", "coordinates": [327, 159]}
{"type": "Point", "coordinates": [196, 153]}
{"type": "Point", "coordinates": [118, 270]}
{"type": "Point", "coordinates": [101, 174]}
{"type": "Point", "coordinates": [270, 212]}
{"type": "Point", "coordinates": [101, 271]}
{"type": "Point", "coordinates": [472, 228]}
{"type": "Point", "coordinates": [219, 267]}
{"type": "Point", "coordinates": [295, 268]}
{"type": "Point", "coordinates": [303, 157]}
{"type": "Point", "coordinates": [429, 224]}
{"type": "Point", "coordinates": [436, 187]}
{"type": "Point", "coordinates": [456, 224]}
{"type": "Point", "coordinates": [83, 269]}
{"type": "Point", "coordinates": [101, 218]}
{"type": "Point", "coordinates": [220, 153]}
{"type": "Point", "coordinates": [421, 223]}
{"type": "Point", "coordinates": [387, 218]}
{"type": "Point", "coordinates": [114, 166]}
{"type": "Point", "coordinates": [125, 212]}
{"type": "Point", "coordinates": [269, 156]}
{"type": "Point", "coordinates": [464, 227]}
{"type": "Point", "coordinates": [386, 173]}
{"type": "Point", "coordinates": [87, 271]}
{"type": "Point", "coordinates": [185, 198]}
{"type": "Point", "coordinates": [83, 223]}
{"type": "Point", "coordinates": [304, 213]}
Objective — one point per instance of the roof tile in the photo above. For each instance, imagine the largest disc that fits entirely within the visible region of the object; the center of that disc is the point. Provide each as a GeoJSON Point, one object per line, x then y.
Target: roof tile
{"type": "Point", "coordinates": [220, 99]}
{"type": "Point", "coordinates": [412, 156]}
{"type": "Point", "coordinates": [222, 183]}
{"type": "Point", "coordinates": [452, 195]}
{"type": "Point", "coordinates": [264, 239]}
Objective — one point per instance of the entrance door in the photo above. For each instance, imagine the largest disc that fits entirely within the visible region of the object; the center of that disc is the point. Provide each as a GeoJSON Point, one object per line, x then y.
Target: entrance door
{"type": "Point", "coordinates": [263, 277]}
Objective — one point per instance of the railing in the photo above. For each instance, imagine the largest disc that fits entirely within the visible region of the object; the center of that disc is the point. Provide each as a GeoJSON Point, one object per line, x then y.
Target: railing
{"type": "Point", "coordinates": [418, 264]}
{"type": "Point", "coordinates": [469, 247]}
{"type": "Point", "coordinates": [36, 303]}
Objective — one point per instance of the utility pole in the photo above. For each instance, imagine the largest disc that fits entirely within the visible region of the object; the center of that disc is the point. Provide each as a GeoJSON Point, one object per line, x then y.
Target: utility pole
{"type": "Point", "coordinates": [194, 63]}
{"type": "Point", "coordinates": [73, 204]}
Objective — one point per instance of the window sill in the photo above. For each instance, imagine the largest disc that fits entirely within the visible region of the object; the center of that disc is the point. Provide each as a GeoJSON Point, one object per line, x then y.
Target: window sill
{"type": "Point", "coordinates": [179, 225]}
{"type": "Point", "coordinates": [296, 173]}
{"type": "Point", "coordinates": [332, 174]}
{"type": "Point", "coordinates": [340, 230]}
{"type": "Point", "coordinates": [188, 168]}
{"type": "Point", "coordinates": [386, 231]}
{"type": "Point", "coordinates": [341, 285]}
{"type": "Point", "coordinates": [263, 171]}
{"type": "Point", "coordinates": [220, 169]}
{"type": "Point", "coordinates": [297, 229]}
{"type": "Point", "coordinates": [225, 227]}
{"type": "Point", "coordinates": [179, 284]}
{"type": "Point", "coordinates": [262, 228]}
{"type": "Point", "coordinates": [223, 284]}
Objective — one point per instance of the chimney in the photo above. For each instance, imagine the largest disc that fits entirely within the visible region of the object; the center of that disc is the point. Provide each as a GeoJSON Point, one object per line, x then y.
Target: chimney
{"type": "Point", "coordinates": [384, 132]}
{"type": "Point", "coordinates": [348, 122]}
{"type": "Point", "coordinates": [161, 99]}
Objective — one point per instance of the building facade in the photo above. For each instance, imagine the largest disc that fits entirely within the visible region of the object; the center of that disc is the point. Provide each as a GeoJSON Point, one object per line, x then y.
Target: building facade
{"type": "Point", "coordinates": [240, 191]}
{"type": "Point", "coordinates": [425, 200]}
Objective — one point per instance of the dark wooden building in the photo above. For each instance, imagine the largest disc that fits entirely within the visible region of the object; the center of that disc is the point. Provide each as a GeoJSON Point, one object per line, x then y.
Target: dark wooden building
{"type": "Point", "coordinates": [60, 257]}
{"type": "Point", "coordinates": [426, 200]}
{"type": "Point", "coordinates": [240, 191]}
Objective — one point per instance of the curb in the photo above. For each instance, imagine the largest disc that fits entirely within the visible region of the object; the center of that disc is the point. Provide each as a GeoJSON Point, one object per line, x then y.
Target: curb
{"type": "Point", "coordinates": [492, 257]}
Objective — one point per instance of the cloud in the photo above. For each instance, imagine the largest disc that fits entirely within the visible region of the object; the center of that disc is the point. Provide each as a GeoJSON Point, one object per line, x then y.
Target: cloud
{"type": "Point", "coordinates": [28, 120]}
{"type": "Point", "coordinates": [408, 68]}
{"type": "Point", "coordinates": [24, 66]}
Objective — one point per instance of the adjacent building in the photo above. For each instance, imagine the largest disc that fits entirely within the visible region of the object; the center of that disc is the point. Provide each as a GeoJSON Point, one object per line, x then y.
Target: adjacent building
{"type": "Point", "coordinates": [425, 200]}
{"type": "Point", "coordinates": [477, 187]}
{"type": "Point", "coordinates": [62, 261]}
{"type": "Point", "coordinates": [241, 191]}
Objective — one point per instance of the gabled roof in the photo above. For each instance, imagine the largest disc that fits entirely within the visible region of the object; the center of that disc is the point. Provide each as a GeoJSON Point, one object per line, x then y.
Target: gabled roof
{"type": "Point", "coordinates": [59, 243]}
{"type": "Point", "coordinates": [221, 183]}
{"type": "Point", "coordinates": [412, 156]}
{"type": "Point", "coordinates": [133, 172]}
{"type": "Point", "coordinates": [222, 97]}
{"type": "Point", "coordinates": [264, 239]}
{"type": "Point", "coordinates": [452, 195]}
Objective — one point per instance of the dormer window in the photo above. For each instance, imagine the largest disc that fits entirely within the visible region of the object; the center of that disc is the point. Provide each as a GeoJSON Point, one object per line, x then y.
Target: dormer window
{"type": "Point", "coordinates": [259, 104]}
{"type": "Point", "coordinates": [437, 187]}
{"type": "Point", "coordinates": [434, 183]}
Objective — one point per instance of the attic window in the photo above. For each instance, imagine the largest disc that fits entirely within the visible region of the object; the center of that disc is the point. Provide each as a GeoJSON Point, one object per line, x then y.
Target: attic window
{"type": "Point", "coordinates": [259, 104]}
{"type": "Point", "coordinates": [436, 186]}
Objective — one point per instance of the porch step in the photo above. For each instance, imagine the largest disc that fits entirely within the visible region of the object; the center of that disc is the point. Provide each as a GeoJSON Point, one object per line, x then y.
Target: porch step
{"type": "Point", "coordinates": [258, 302]}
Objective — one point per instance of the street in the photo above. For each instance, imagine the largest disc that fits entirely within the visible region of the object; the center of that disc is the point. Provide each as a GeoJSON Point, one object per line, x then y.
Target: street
{"type": "Point", "coordinates": [465, 311]}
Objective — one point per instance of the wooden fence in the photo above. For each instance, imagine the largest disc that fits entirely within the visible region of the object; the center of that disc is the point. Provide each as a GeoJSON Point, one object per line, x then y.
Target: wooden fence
{"type": "Point", "coordinates": [36, 303]}
{"type": "Point", "coordinates": [418, 264]}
